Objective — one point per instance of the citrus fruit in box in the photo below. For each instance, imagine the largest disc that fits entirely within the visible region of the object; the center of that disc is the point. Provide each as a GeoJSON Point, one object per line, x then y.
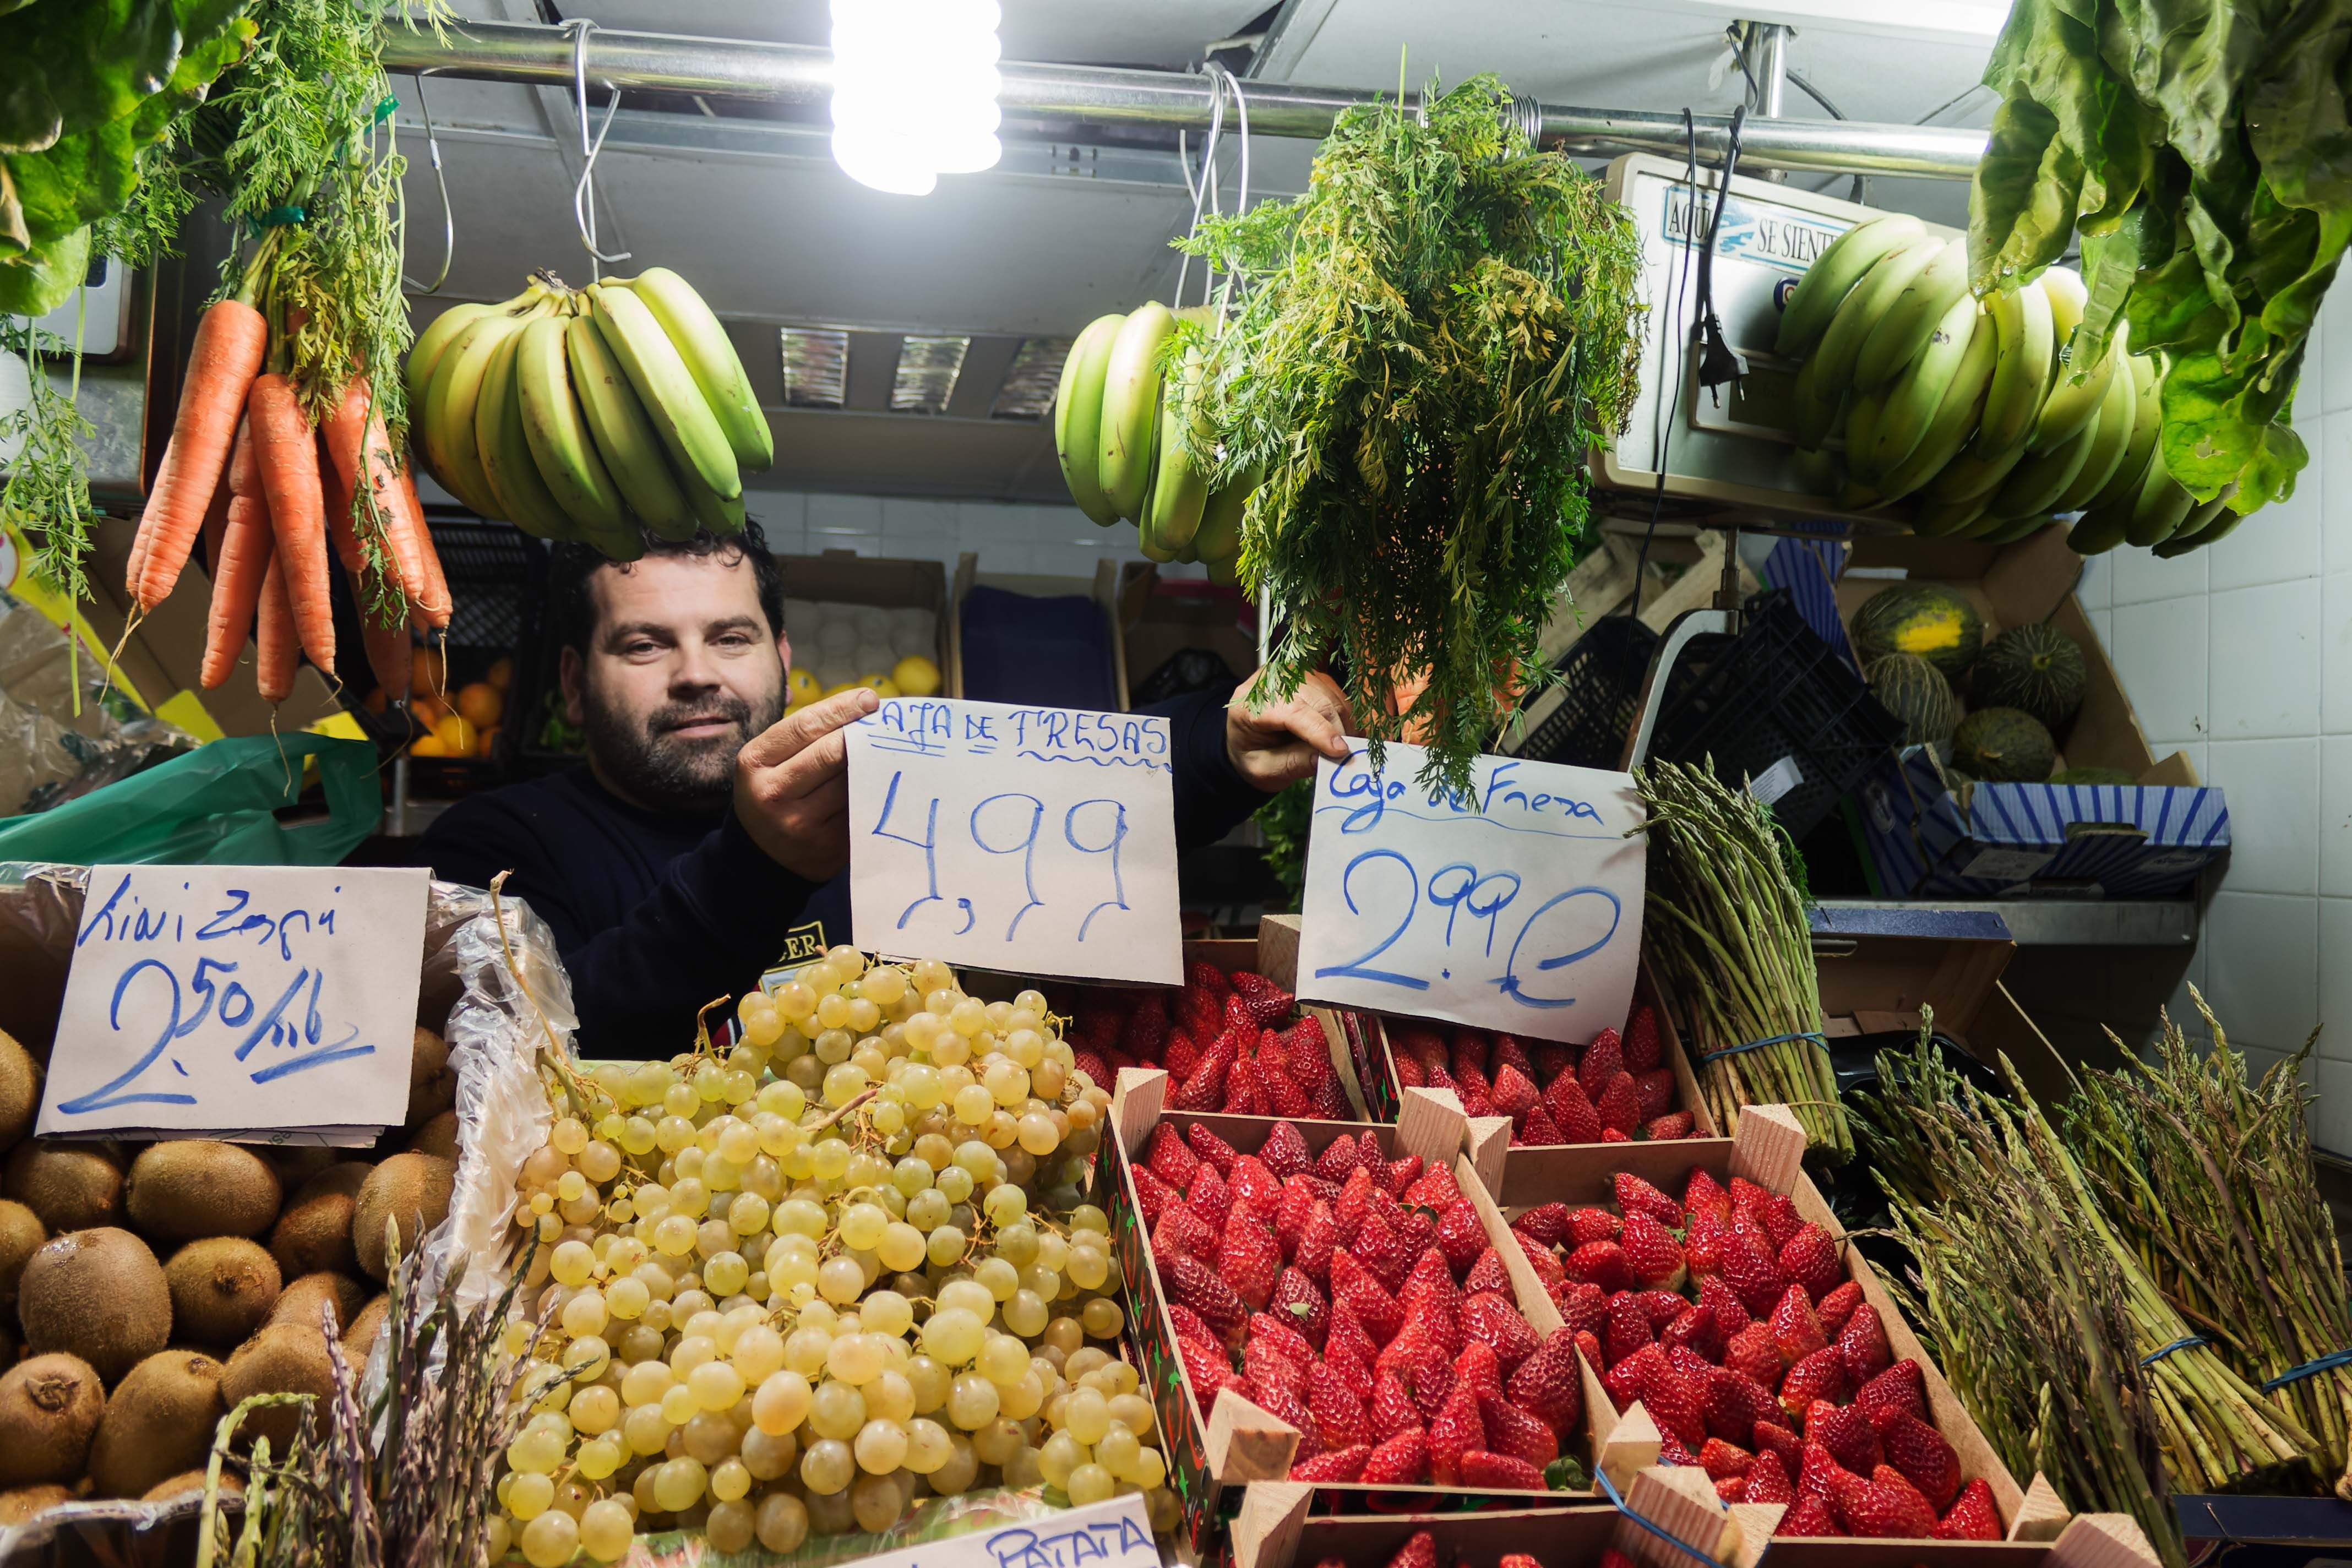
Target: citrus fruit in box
{"type": "Point", "coordinates": [480, 704]}
{"type": "Point", "coordinates": [426, 672]}
{"type": "Point", "coordinates": [803, 687]}
{"type": "Point", "coordinates": [454, 733]}
{"type": "Point", "coordinates": [427, 746]}
{"type": "Point", "coordinates": [916, 675]}
{"type": "Point", "coordinates": [500, 676]}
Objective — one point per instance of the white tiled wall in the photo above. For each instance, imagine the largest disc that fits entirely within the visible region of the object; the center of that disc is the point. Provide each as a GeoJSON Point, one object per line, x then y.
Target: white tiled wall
{"type": "Point", "coordinates": [2242, 656]}
{"type": "Point", "coordinates": [1032, 541]}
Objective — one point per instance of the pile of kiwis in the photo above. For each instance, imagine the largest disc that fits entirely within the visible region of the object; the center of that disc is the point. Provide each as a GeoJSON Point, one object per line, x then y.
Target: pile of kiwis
{"type": "Point", "coordinates": [145, 1289]}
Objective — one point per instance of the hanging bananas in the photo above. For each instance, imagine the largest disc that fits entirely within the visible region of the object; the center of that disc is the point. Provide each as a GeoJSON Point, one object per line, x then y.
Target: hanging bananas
{"type": "Point", "coordinates": [595, 415]}
{"type": "Point", "coordinates": [1123, 453]}
{"type": "Point", "coordinates": [1978, 412]}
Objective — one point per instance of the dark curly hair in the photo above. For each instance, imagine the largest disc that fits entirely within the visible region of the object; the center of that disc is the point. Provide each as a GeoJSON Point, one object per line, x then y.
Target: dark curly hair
{"type": "Point", "coordinates": [572, 608]}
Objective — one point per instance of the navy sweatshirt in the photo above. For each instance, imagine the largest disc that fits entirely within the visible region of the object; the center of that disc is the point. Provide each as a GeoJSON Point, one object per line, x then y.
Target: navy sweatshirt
{"type": "Point", "coordinates": [655, 913]}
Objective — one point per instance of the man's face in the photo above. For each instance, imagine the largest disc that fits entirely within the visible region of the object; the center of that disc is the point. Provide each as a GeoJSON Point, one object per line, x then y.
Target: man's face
{"type": "Point", "coordinates": [683, 668]}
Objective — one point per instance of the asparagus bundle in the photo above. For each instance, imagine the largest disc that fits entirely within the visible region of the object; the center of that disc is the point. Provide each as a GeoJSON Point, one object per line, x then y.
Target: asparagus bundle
{"type": "Point", "coordinates": [1725, 930]}
{"type": "Point", "coordinates": [2218, 1432]}
{"type": "Point", "coordinates": [2209, 1177]}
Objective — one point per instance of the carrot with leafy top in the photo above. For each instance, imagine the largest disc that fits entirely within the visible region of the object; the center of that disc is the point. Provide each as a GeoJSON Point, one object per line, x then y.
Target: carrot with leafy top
{"type": "Point", "coordinates": [285, 458]}
{"type": "Point", "coordinates": [276, 641]}
{"type": "Point", "coordinates": [222, 365]}
{"type": "Point", "coordinates": [247, 554]}
{"type": "Point", "coordinates": [428, 602]}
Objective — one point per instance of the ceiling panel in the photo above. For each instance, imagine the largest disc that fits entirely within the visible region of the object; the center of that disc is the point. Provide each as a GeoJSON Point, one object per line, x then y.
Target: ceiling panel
{"type": "Point", "coordinates": [1168, 34]}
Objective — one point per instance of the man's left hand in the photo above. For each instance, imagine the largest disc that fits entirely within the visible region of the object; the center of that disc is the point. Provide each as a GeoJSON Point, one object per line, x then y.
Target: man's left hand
{"type": "Point", "coordinates": [1279, 745]}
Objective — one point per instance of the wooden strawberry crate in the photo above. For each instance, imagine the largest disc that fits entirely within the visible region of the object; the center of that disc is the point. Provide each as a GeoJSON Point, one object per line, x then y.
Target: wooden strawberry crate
{"type": "Point", "coordinates": [1277, 1529]}
{"type": "Point", "coordinates": [1510, 1168]}
{"type": "Point", "coordinates": [1767, 1151]}
{"type": "Point", "coordinates": [1214, 1449]}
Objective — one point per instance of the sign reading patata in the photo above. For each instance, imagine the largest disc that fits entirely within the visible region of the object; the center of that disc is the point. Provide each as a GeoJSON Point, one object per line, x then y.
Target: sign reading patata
{"type": "Point", "coordinates": [1518, 910]}
{"type": "Point", "coordinates": [238, 1002]}
{"type": "Point", "coordinates": [1113, 1534]}
{"type": "Point", "coordinates": [1035, 840]}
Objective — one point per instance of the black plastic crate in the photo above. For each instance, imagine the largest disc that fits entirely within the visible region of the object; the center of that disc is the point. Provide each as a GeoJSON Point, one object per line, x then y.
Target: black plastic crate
{"type": "Point", "coordinates": [498, 589]}
{"type": "Point", "coordinates": [1777, 705]}
{"type": "Point", "coordinates": [1601, 687]}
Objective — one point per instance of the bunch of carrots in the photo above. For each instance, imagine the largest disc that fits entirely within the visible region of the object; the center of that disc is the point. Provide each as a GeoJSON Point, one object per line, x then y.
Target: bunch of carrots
{"type": "Point", "coordinates": [271, 494]}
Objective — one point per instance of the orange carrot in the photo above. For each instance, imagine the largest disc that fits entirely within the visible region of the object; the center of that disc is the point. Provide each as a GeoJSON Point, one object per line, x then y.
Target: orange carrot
{"type": "Point", "coordinates": [428, 605]}
{"type": "Point", "coordinates": [275, 641]}
{"type": "Point", "coordinates": [222, 365]}
{"type": "Point", "coordinates": [387, 651]}
{"type": "Point", "coordinates": [341, 434]}
{"type": "Point", "coordinates": [242, 479]}
{"type": "Point", "coordinates": [285, 456]}
{"type": "Point", "coordinates": [216, 529]}
{"type": "Point", "coordinates": [248, 553]}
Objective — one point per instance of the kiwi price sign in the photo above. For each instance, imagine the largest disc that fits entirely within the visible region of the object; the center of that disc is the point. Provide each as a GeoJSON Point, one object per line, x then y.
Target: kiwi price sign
{"type": "Point", "coordinates": [1028, 840]}
{"type": "Point", "coordinates": [1517, 909]}
{"type": "Point", "coordinates": [253, 1002]}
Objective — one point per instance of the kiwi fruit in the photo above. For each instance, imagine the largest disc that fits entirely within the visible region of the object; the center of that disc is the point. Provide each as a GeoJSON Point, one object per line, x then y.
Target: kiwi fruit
{"type": "Point", "coordinates": [222, 1290]}
{"type": "Point", "coordinates": [360, 1338]}
{"type": "Point", "coordinates": [49, 1409]}
{"type": "Point", "coordinates": [314, 1232]}
{"type": "Point", "coordinates": [432, 1082]}
{"type": "Point", "coordinates": [437, 1137]}
{"type": "Point", "coordinates": [98, 1294]}
{"type": "Point", "coordinates": [71, 1186]}
{"type": "Point", "coordinates": [411, 1189]}
{"type": "Point", "coordinates": [21, 1235]}
{"type": "Point", "coordinates": [20, 1503]}
{"type": "Point", "coordinates": [301, 1300]}
{"type": "Point", "coordinates": [158, 1423]}
{"type": "Point", "coordinates": [297, 1163]}
{"type": "Point", "coordinates": [20, 1090]}
{"type": "Point", "coordinates": [193, 1187]}
{"type": "Point", "coordinates": [188, 1481]}
{"type": "Point", "coordinates": [283, 1358]}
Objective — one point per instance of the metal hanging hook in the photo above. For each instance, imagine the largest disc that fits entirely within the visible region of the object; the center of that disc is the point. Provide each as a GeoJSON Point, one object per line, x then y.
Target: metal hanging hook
{"type": "Point", "coordinates": [583, 195]}
{"type": "Point", "coordinates": [441, 184]}
{"type": "Point", "coordinates": [1221, 82]}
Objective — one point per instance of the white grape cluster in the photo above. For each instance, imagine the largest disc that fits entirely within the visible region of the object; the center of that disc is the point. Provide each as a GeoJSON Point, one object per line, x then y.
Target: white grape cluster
{"type": "Point", "coordinates": [793, 1287]}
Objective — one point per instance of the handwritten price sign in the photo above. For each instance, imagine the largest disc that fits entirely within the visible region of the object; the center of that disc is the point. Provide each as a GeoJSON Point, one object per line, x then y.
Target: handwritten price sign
{"type": "Point", "coordinates": [238, 1002]}
{"type": "Point", "coordinates": [1038, 840]}
{"type": "Point", "coordinates": [1113, 1534]}
{"type": "Point", "coordinates": [1519, 911]}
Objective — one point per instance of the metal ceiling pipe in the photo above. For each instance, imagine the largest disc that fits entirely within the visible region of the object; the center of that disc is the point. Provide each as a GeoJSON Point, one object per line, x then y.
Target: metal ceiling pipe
{"type": "Point", "coordinates": [798, 75]}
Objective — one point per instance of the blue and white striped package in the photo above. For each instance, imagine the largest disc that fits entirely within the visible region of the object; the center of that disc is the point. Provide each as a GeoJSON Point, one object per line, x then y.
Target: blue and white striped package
{"type": "Point", "coordinates": [1989, 840]}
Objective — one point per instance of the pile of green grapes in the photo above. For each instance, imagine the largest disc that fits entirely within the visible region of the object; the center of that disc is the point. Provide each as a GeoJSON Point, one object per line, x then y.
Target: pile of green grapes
{"type": "Point", "coordinates": [795, 1287]}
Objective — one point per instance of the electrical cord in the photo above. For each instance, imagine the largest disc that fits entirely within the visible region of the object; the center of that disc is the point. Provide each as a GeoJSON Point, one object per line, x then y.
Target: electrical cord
{"type": "Point", "coordinates": [1718, 361]}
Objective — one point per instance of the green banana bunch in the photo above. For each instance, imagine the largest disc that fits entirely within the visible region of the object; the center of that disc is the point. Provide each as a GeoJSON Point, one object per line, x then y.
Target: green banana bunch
{"type": "Point", "coordinates": [595, 415]}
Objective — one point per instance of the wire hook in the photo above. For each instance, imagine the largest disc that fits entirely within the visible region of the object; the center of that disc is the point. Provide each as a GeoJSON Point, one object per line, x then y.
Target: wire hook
{"type": "Point", "coordinates": [1221, 81]}
{"type": "Point", "coordinates": [441, 184]}
{"type": "Point", "coordinates": [583, 195]}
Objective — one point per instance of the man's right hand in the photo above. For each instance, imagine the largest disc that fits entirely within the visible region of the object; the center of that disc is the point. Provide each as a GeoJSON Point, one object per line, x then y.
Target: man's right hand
{"type": "Point", "coordinates": [791, 786]}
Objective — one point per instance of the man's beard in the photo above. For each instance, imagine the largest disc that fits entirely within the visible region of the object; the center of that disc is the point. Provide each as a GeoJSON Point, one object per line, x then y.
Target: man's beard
{"type": "Point", "coordinates": [663, 771]}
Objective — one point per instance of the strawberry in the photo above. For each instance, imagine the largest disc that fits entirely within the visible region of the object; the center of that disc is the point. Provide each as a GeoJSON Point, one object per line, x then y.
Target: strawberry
{"type": "Point", "coordinates": [1695, 1328]}
{"type": "Point", "coordinates": [1279, 1401]}
{"type": "Point", "coordinates": [1353, 1286]}
{"type": "Point", "coordinates": [1261, 998]}
{"type": "Point", "coordinates": [1581, 1306]}
{"type": "Point", "coordinates": [1594, 1225]}
{"type": "Point", "coordinates": [1834, 1309]}
{"type": "Point", "coordinates": [1490, 1472]}
{"type": "Point", "coordinates": [1703, 1245]}
{"type": "Point", "coordinates": [1347, 1335]}
{"type": "Point", "coordinates": [1476, 1370]}
{"type": "Point", "coordinates": [1734, 1403]}
{"type": "Point", "coordinates": [1298, 1200]}
{"type": "Point", "coordinates": [1334, 1465]}
{"type": "Point", "coordinates": [1604, 1059]}
{"type": "Point", "coordinates": [1476, 1093]}
{"type": "Point", "coordinates": [1152, 1196]}
{"type": "Point", "coordinates": [1820, 1375]}
{"type": "Point", "coordinates": [1753, 1274]}
{"type": "Point", "coordinates": [1780, 1219]}
{"type": "Point", "coordinates": [1271, 1059]}
{"type": "Point", "coordinates": [1720, 1460]}
{"type": "Point", "coordinates": [1213, 1151]}
{"type": "Point", "coordinates": [1409, 1073]}
{"type": "Point", "coordinates": [1809, 1258]}
{"type": "Point", "coordinates": [1434, 1188]}
{"type": "Point", "coordinates": [1368, 1149]}
{"type": "Point", "coordinates": [1183, 1233]}
{"type": "Point", "coordinates": [1488, 1273]}
{"type": "Point", "coordinates": [1437, 1075]}
{"type": "Point", "coordinates": [1819, 1475]}
{"type": "Point", "coordinates": [1331, 1101]}
{"type": "Point", "coordinates": [1886, 1505]}
{"type": "Point", "coordinates": [1633, 1193]}
{"type": "Point", "coordinates": [1382, 1252]}
{"type": "Point", "coordinates": [1767, 1481]}
{"type": "Point", "coordinates": [1624, 1379]}
{"type": "Point", "coordinates": [1338, 1415]}
{"type": "Point", "coordinates": [1750, 1353]}
{"type": "Point", "coordinates": [1640, 1043]}
{"type": "Point", "coordinates": [1926, 1460]}
{"type": "Point", "coordinates": [1401, 1461]}
{"type": "Point", "coordinates": [1900, 1387]}
{"type": "Point", "coordinates": [1703, 1195]}
{"type": "Point", "coordinates": [1845, 1431]}
{"type": "Point", "coordinates": [1244, 1093]}
{"type": "Point", "coordinates": [1771, 1437]}
{"type": "Point", "coordinates": [1730, 1312]}
{"type": "Point", "coordinates": [1571, 1110]}
{"type": "Point", "coordinates": [1168, 1159]}
{"type": "Point", "coordinates": [1619, 1108]}
{"type": "Point", "coordinates": [1316, 1242]}
{"type": "Point", "coordinates": [1284, 1097]}
{"type": "Point", "coordinates": [1282, 1339]}
{"type": "Point", "coordinates": [1183, 1053]}
{"type": "Point", "coordinates": [1199, 1287]}
{"type": "Point", "coordinates": [1731, 1489]}
{"type": "Point", "coordinates": [1209, 1198]}
{"type": "Point", "coordinates": [1146, 1030]}
{"type": "Point", "coordinates": [1615, 1135]}
{"type": "Point", "coordinates": [1456, 1431]}
{"type": "Point", "coordinates": [1491, 1319]}
{"type": "Point", "coordinates": [1257, 1188]}
{"type": "Point", "coordinates": [1808, 1516]}
{"type": "Point", "coordinates": [1308, 1051]}
{"type": "Point", "coordinates": [1666, 1127]}
{"type": "Point", "coordinates": [1629, 1327]}
{"type": "Point", "coordinates": [1546, 1384]}
{"type": "Point", "coordinates": [1975, 1517]}
{"type": "Point", "coordinates": [1268, 1368]}
{"type": "Point", "coordinates": [1862, 1346]}
{"type": "Point", "coordinates": [1796, 1333]}
{"type": "Point", "coordinates": [1747, 1197]}
{"type": "Point", "coordinates": [1419, 1552]}
{"type": "Point", "coordinates": [1587, 1345]}
{"type": "Point", "coordinates": [1418, 1229]}
{"type": "Point", "coordinates": [1538, 1130]}
{"type": "Point", "coordinates": [1432, 1321]}
{"type": "Point", "coordinates": [1651, 1252]}
{"type": "Point", "coordinates": [1674, 1401]}
{"type": "Point", "coordinates": [1545, 1263]}
{"type": "Point", "coordinates": [1552, 1060]}
{"type": "Point", "coordinates": [1206, 1369]}
{"type": "Point", "coordinates": [1399, 1173]}
{"type": "Point", "coordinates": [1190, 1324]}
{"type": "Point", "coordinates": [1354, 1195]}
{"type": "Point", "coordinates": [1204, 1088]}
{"type": "Point", "coordinates": [1338, 1159]}
{"type": "Point", "coordinates": [1204, 976]}
{"type": "Point", "coordinates": [1671, 1452]}
{"type": "Point", "coordinates": [1654, 1092]}
{"type": "Point", "coordinates": [1601, 1263]}
{"type": "Point", "coordinates": [1460, 1236]}
{"type": "Point", "coordinates": [1545, 1225]}
{"type": "Point", "coordinates": [1432, 1279]}
{"type": "Point", "coordinates": [1393, 1409]}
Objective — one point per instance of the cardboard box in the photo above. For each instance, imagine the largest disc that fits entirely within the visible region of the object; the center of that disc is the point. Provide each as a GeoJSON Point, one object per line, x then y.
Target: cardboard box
{"type": "Point", "coordinates": [1508, 1170]}
{"type": "Point", "coordinates": [1929, 837]}
{"type": "Point", "coordinates": [1872, 983]}
{"type": "Point", "coordinates": [844, 577]}
{"type": "Point", "coordinates": [1213, 1452]}
{"type": "Point", "coordinates": [1159, 617]}
{"type": "Point", "coordinates": [1768, 1150]}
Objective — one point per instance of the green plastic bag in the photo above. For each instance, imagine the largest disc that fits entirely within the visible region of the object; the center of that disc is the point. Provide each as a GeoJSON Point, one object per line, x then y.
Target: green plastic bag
{"type": "Point", "coordinates": [213, 805]}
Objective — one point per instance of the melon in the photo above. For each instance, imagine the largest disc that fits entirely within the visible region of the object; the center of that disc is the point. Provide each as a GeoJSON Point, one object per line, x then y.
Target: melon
{"type": "Point", "coordinates": [2005, 745]}
{"type": "Point", "coordinates": [1916, 692]}
{"type": "Point", "coordinates": [1920, 619]}
{"type": "Point", "coordinates": [2035, 667]}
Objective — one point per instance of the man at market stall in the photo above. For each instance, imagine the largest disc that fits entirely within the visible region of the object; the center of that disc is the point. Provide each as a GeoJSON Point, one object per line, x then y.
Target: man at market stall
{"type": "Point", "coordinates": [708, 826]}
